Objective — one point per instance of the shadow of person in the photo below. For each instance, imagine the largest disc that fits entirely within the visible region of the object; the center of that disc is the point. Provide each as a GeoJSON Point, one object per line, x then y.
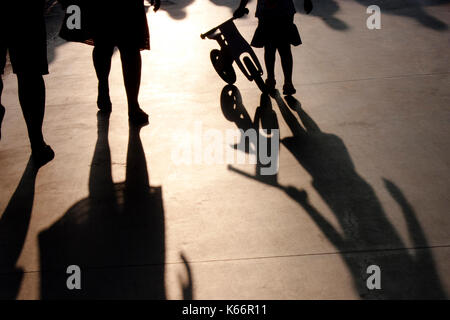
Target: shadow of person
{"type": "Point", "coordinates": [14, 225]}
{"type": "Point", "coordinates": [176, 8]}
{"type": "Point", "coordinates": [326, 10]}
{"type": "Point", "coordinates": [116, 235]}
{"type": "Point", "coordinates": [232, 4]}
{"type": "Point", "coordinates": [367, 237]}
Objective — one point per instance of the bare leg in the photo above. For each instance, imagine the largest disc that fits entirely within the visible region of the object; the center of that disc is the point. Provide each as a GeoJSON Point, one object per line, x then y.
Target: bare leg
{"type": "Point", "coordinates": [287, 64]}
{"type": "Point", "coordinates": [32, 101]}
{"type": "Point", "coordinates": [131, 68]}
{"type": "Point", "coordinates": [101, 56]}
{"type": "Point", "coordinates": [269, 59]}
{"type": "Point", "coordinates": [2, 108]}
{"type": "Point", "coordinates": [1, 89]}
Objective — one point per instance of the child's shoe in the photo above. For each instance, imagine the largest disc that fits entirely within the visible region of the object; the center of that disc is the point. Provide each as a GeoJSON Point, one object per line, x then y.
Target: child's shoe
{"type": "Point", "coordinates": [270, 85]}
{"type": "Point", "coordinates": [288, 89]}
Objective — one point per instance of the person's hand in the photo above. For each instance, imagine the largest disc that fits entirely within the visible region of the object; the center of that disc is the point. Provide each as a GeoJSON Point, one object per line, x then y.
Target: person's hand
{"type": "Point", "coordinates": [156, 4]}
{"type": "Point", "coordinates": [240, 12]}
{"type": "Point", "coordinates": [308, 6]}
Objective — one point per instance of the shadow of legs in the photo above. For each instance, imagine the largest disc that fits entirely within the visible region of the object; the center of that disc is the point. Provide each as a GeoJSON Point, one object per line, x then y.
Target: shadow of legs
{"type": "Point", "coordinates": [14, 225]}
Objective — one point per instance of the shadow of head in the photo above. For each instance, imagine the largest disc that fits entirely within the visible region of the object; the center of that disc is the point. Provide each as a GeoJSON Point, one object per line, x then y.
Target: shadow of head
{"type": "Point", "coordinates": [414, 9]}
{"type": "Point", "coordinates": [177, 9]}
{"type": "Point", "coordinates": [327, 10]}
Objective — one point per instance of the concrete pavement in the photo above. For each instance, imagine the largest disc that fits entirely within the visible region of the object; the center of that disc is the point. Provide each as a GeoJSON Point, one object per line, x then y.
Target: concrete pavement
{"type": "Point", "coordinates": [367, 185]}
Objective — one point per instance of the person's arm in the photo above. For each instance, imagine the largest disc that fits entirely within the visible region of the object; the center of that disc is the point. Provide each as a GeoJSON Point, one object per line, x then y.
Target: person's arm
{"type": "Point", "coordinates": [308, 6]}
{"type": "Point", "coordinates": [156, 4]}
{"type": "Point", "coordinates": [240, 11]}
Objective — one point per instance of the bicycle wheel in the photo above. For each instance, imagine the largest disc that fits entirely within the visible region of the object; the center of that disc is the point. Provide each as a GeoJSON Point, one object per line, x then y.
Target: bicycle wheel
{"type": "Point", "coordinates": [223, 68]}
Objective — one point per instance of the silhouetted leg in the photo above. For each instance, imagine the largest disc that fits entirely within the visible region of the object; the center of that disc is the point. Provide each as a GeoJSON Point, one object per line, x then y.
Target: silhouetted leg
{"type": "Point", "coordinates": [287, 64]}
{"type": "Point", "coordinates": [1, 90]}
{"type": "Point", "coordinates": [131, 68]}
{"type": "Point", "coordinates": [269, 59]}
{"type": "Point", "coordinates": [32, 101]}
{"type": "Point", "coordinates": [2, 108]}
{"type": "Point", "coordinates": [101, 56]}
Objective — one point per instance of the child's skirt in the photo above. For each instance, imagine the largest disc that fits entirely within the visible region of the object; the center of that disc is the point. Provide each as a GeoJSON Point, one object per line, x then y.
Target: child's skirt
{"type": "Point", "coordinates": [276, 31]}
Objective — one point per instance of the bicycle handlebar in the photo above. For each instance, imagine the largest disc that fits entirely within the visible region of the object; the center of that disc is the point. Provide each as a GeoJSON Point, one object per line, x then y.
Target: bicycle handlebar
{"type": "Point", "coordinates": [204, 35]}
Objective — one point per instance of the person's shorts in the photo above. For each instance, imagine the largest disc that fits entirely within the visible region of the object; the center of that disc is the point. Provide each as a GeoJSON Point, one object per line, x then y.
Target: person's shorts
{"type": "Point", "coordinates": [276, 31]}
{"type": "Point", "coordinates": [26, 42]}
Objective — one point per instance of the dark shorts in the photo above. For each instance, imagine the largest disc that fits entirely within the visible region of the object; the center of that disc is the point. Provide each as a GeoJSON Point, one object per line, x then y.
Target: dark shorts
{"type": "Point", "coordinates": [25, 39]}
{"type": "Point", "coordinates": [122, 24]}
{"type": "Point", "coordinates": [24, 60]}
{"type": "Point", "coordinates": [276, 31]}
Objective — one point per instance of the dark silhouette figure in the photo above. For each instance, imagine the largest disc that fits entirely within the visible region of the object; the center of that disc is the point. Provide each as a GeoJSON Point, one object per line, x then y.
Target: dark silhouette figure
{"type": "Point", "coordinates": [276, 31]}
{"type": "Point", "coordinates": [23, 35]}
{"type": "Point", "coordinates": [14, 225]}
{"type": "Point", "coordinates": [2, 108]}
{"type": "Point", "coordinates": [116, 235]}
{"type": "Point", "coordinates": [121, 24]}
{"type": "Point", "coordinates": [367, 237]}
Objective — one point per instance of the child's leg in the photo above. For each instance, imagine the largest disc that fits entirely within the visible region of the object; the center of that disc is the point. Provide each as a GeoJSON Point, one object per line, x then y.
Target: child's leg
{"type": "Point", "coordinates": [269, 59]}
{"type": "Point", "coordinates": [101, 56]}
{"type": "Point", "coordinates": [286, 61]}
{"type": "Point", "coordinates": [287, 64]}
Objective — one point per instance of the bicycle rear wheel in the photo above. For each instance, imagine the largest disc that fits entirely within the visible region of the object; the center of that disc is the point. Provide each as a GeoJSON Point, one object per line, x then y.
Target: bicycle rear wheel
{"type": "Point", "coordinates": [223, 68]}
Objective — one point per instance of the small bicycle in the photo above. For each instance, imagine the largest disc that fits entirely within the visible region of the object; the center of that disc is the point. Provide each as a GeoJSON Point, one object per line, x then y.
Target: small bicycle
{"type": "Point", "coordinates": [234, 48]}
